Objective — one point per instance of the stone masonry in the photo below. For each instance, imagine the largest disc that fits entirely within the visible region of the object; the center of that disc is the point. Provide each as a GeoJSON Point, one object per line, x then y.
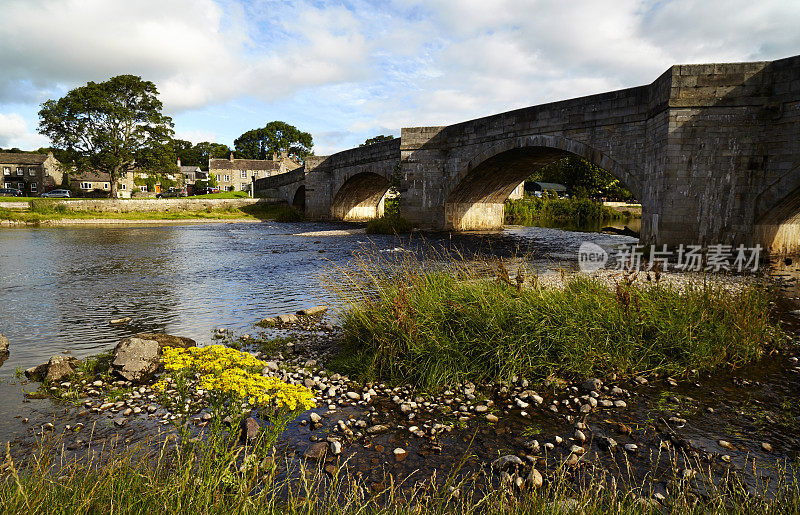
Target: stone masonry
{"type": "Point", "coordinates": [712, 151]}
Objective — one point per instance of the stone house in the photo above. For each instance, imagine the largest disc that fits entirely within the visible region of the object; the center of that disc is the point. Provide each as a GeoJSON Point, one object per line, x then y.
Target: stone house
{"type": "Point", "coordinates": [240, 173]}
{"type": "Point", "coordinates": [190, 175]}
{"type": "Point", "coordinates": [85, 182]}
{"type": "Point", "coordinates": [30, 172]}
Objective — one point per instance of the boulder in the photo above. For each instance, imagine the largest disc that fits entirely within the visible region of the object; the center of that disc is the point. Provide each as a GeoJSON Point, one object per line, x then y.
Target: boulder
{"type": "Point", "coordinates": [136, 358]}
{"type": "Point", "coordinates": [250, 429]}
{"type": "Point", "coordinates": [288, 319]}
{"type": "Point", "coordinates": [313, 311]}
{"type": "Point", "coordinates": [3, 343]}
{"type": "Point", "coordinates": [316, 451]}
{"type": "Point", "coordinates": [57, 368]}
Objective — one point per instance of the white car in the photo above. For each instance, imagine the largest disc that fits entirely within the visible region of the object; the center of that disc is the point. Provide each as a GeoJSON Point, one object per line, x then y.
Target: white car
{"type": "Point", "coordinates": [56, 194]}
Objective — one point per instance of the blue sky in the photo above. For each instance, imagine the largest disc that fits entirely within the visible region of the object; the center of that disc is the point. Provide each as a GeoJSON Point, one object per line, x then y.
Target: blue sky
{"type": "Point", "coordinates": [346, 71]}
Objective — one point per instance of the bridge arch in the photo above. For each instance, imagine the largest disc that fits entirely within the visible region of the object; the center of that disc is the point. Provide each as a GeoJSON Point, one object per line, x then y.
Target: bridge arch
{"type": "Point", "coordinates": [777, 215]}
{"type": "Point", "coordinates": [299, 198]}
{"type": "Point", "coordinates": [488, 178]}
{"type": "Point", "coordinates": [360, 197]}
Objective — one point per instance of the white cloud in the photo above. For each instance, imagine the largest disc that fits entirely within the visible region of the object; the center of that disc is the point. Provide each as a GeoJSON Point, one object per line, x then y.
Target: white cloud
{"type": "Point", "coordinates": [14, 133]}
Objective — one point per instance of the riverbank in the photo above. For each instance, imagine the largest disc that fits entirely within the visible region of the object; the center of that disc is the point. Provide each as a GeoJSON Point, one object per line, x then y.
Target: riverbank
{"type": "Point", "coordinates": [665, 440]}
{"type": "Point", "coordinates": [533, 210]}
{"type": "Point", "coordinates": [122, 212]}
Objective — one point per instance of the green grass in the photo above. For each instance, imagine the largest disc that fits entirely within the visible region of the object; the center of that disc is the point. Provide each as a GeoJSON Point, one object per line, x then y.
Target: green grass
{"type": "Point", "coordinates": [208, 479]}
{"type": "Point", "coordinates": [532, 209]}
{"type": "Point", "coordinates": [434, 329]}
{"type": "Point", "coordinates": [391, 222]}
{"type": "Point", "coordinates": [44, 210]}
{"type": "Point", "coordinates": [223, 194]}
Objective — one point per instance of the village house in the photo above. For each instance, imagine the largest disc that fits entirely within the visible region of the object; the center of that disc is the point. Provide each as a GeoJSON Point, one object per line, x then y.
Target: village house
{"type": "Point", "coordinates": [238, 174]}
{"type": "Point", "coordinates": [94, 183]}
{"type": "Point", "coordinates": [191, 174]}
{"type": "Point", "coordinates": [30, 172]}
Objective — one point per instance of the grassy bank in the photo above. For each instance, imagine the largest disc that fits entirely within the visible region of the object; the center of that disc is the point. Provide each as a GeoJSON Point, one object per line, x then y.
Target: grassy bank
{"type": "Point", "coordinates": [200, 479]}
{"type": "Point", "coordinates": [391, 222]}
{"type": "Point", "coordinates": [548, 208]}
{"type": "Point", "coordinates": [42, 210]}
{"type": "Point", "coordinates": [434, 329]}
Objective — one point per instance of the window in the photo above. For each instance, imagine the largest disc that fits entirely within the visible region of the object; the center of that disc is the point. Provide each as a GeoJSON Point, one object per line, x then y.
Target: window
{"type": "Point", "coordinates": [33, 187]}
{"type": "Point", "coordinates": [86, 185]}
{"type": "Point", "coordinates": [123, 187]}
{"type": "Point", "coordinates": [20, 171]}
{"type": "Point", "coordinates": [226, 178]}
{"type": "Point", "coordinates": [31, 171]}
{"type": "Point", "coordinates": [245, 186]}
{"type": "Point", "coordinates": [244, 174]}
{"type": "Point", "coordinates": [143, 189]}
{"type": "Point", "coordinates": [6, 170]}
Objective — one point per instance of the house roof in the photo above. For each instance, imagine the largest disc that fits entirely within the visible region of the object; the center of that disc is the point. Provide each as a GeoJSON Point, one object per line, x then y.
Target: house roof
{"type": "Point", "coordinates": [243, 164]}
{"type": "Point", "coordinates": [22, 158]}
{"type": "Point", "coordinates": [550, 186]}
{"type": "Point", "coordinates": [190, 169]}
{"type": "Point", "coordinates": [90, 176]}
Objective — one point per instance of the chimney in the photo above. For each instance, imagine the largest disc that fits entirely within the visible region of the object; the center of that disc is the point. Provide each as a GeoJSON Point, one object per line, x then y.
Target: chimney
{"type": "Point", "coordinates": [274, 156]}
{"type": "Point", "coordinates": [231, 156]}
{"type": "Point", "coordinates": [179, 162]}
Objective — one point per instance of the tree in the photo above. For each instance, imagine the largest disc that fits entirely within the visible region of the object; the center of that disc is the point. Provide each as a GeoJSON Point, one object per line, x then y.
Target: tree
{"type": "Point", "coordinates": [199, 154]}
{"type": "Point", "coordinates": [275, 137]}
{"type": "Point", "coordinates": [108, 124]}
{"type": "Point", "coordinates": [582, 178]}
{"type": "Point", "coordinates": [377, 139]}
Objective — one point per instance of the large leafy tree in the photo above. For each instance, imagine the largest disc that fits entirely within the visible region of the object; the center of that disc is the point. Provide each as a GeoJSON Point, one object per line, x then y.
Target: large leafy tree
{"type": "Point", "coordinates": [274, 137]}
{"type": "Point", "coordinates": [199, 153]}
{"type": "Point", "coordinates": [582, 178]}
{"type": "Point", "coordinates": [377, 139]}
{"type": "Point", "coordinates": [108, 125]}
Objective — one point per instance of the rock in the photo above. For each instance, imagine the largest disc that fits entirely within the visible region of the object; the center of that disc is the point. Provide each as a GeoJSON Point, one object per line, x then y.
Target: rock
{"type": "Point", "coordinates": [725, 444]}
{"type": "Point", "coordinates": [315, 418]}
{"type": "Point", "coordinates": [268, 322]}
{"type": "Point", "coordinates": [136, 358]}
{"type": "Point", "coordinates": [481, 408]}
{"type": "Point", "coordinates": [271, 366]}
{"type": "Point", "coordinates": [376, 429]}
{"type": "Point", "coordinates": [492, 418]}
{"type": "Point", "coordinates": [579, 436]}
{"type": "Point", "coordinates": [535, 478]}
{"type": "Point", "coordinates": [3, 343]}
{"type": "Point", "coordinates": [504, 462]}
{"type": "Point", "coordinates": [631, 447]}
{"type": "Point", "coordinates": [577, 449]}
{"type": "Point", "coordinates": [353, 396]}
{"type": "Point", "coordinates": [608, 443]}
{"type": "Point", "coordinates": [313, 311]}
{"type": "Point", "coordinates": [288, 319]}
{"type": "Point", "coordinates": [640, 380]}
{"type": "Point", "coordinates": [250, 429]}
{"type": "Point", "coordinates": [120, 321]}
{"type": "Point", "coordinates": [620, 404]}
{"type": "Point", "coordinates": [59, 368]}
{"type": "Point", "coordinates": [336, 448]}
{"type": "Point", "coordinates": [316, 451]}
{"type": "Point", "coordinates": [400, 454]}
{"type": "Point", "coordinates": [592, 384]}
{"type": "Point", "coordinates": [766, 447]}
{"type": "Point", "coordinates": [572, 460]}
{"type": "Point", "coordinates": [120, 421]}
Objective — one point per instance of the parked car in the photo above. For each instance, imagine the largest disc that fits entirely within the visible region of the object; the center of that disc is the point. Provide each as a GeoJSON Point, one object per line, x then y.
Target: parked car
{"type": "Point", "coordinates": [56, 194]}
{"type": "Point", "coordinates": [172, 193]}
{"type": "Point", "coordinates": [10, 192]}
{"type": "Point", "coordinates": [207, 191]}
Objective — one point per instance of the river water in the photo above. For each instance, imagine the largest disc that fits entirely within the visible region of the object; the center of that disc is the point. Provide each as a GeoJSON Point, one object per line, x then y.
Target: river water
{"type": "Point", "coordinates": [60, 287]}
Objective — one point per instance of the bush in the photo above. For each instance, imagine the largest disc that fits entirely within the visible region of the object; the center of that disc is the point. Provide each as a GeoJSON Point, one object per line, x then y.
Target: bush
{"type": "Point", "coordinates": [47, 206]}
{"type": "Point", "coordinates": [581, 210]}
{"type": "Point", "coordinates": [434, 329]}
{"type": "Point", "coordinates": [388, 225]}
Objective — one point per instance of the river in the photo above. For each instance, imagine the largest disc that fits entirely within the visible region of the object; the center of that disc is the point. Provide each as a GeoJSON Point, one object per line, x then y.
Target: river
{"type": "Point", "coordinates": [61, 286]}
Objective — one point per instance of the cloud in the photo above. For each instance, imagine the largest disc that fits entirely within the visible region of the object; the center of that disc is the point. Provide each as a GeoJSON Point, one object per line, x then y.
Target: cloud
{"type": "Point", "coordinates": [14, 133]}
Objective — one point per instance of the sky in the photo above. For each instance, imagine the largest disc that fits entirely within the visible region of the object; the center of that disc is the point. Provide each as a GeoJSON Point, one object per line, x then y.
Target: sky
{"type": "Point", "coordinates": [349, 70]}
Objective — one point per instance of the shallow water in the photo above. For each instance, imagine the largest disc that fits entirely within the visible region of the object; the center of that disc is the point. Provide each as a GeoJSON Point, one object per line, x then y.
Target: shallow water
{"type": "Point", "coordinates": [60, 287]}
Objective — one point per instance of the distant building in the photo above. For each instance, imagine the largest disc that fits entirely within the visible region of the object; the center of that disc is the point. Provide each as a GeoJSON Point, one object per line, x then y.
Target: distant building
{"type": "Point", "coordinates": [30, 172]}
{"type": "Point", "coordinates": [240, 173]}
{"type": "Point", "coordinates": [534, 186]}
{"type": "Point", "coordinates": [94, 183]}
{"type": "Point", "coordinates": [191, 174]}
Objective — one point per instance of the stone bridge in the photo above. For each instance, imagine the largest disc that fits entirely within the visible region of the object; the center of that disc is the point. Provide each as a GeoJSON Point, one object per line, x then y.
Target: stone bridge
{"type": "Point", "coordinates": [712, 151]}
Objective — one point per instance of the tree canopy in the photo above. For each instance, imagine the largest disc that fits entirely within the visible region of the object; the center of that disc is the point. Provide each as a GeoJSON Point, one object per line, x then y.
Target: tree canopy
{"type": "Point", "coordinates": [273, 137]}
{"type": "Point", "coordinates": [582, 178]}
{"type": "Point", "coordinates": [109, 126]}
{"type": "Point", "coordinates": [199, 153]}
{"type": "Point", "coordinates": [377, 139]}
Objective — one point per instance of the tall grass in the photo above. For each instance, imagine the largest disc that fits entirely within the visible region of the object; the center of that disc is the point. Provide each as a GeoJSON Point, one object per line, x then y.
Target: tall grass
{"type": "Point", "coordinates": [435, 328]}
{"type": "Point", "coordinates": [551, 208]}
{"type": "Point", "coordinates": [199, 479]}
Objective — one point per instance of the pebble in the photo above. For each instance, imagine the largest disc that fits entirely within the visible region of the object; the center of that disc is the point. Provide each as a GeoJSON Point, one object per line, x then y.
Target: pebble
{"type": "Point", "coordinates": [492, 418]}
{"type": "Point", "coordinates": [631, 447]}
{"type": "Point", "coordinates": [579, 436]}
{"type": "Point", "coordinates": [504, 462]}
{"type": "Point", "coordinates": [353, 396]}
{"type": "Point", "coordinates": [336, 447]}
{"type": "Point", "coordinates": [620, 404]}
{"type": "Point", "coordinates": [766, 447]}
{"type": "Point", "coordinates": [400, 454]}
{"type": "Point", "coordinates": [315, 418]}
{"type": "Point", "coordinates": [535, 478]}
{"type": "Point", "coordinates": [725, 444]}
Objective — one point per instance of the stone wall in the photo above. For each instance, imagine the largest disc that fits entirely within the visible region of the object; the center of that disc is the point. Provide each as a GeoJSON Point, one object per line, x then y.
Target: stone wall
{"type": "Point", "coordinates": [153, 205]}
